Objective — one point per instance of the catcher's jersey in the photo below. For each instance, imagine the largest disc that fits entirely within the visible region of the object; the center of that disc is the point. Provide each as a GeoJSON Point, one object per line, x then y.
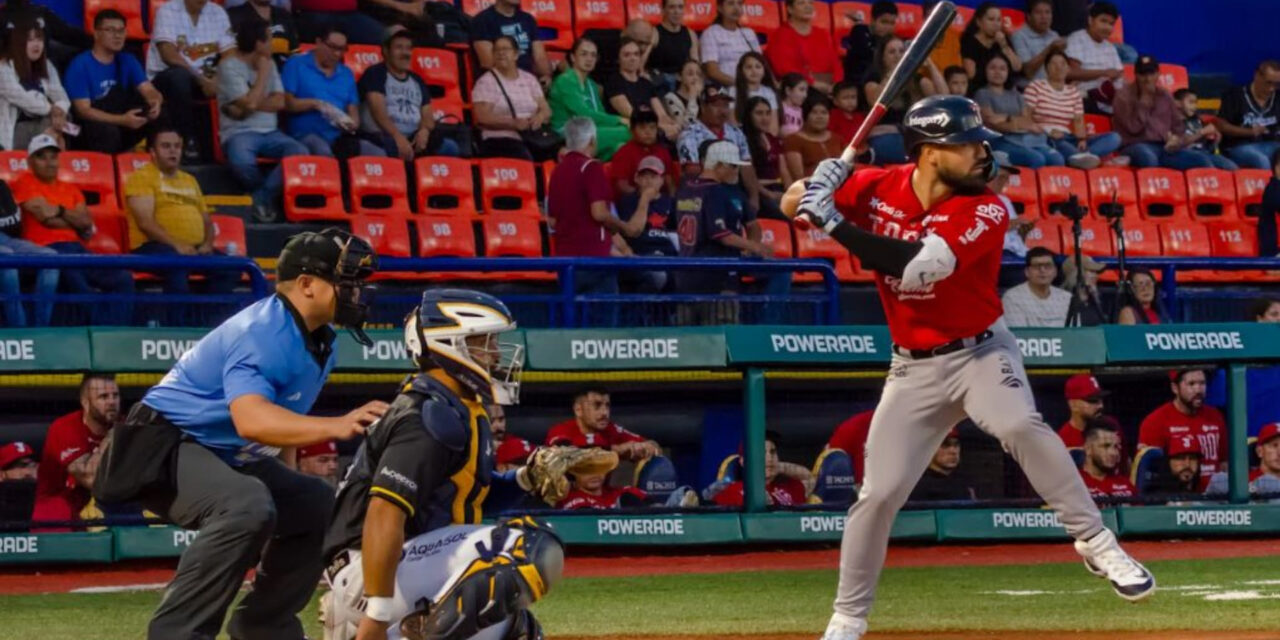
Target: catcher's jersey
{"type": "Point", "coordinates": [960, 306]}
{"type": "Point", "coordinates": [430, 455]}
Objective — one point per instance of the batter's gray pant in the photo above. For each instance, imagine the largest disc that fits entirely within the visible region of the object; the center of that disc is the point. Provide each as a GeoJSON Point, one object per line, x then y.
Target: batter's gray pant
{"type": "Point", "coordinates": [922, 400]}
{"type": "Point", "coordinates": [261, 510]}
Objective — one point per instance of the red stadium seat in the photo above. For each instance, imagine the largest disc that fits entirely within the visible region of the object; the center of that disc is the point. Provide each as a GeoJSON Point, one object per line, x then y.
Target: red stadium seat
{"type": "Point", "coordinates": [591, 15]}
{"type": "Point", "coordinates": [1058, 184]}
{"type": "Point", "coordinates": [388, 235]}
{"type": "Point", "coordinates": [1162, 194]}
{"type": "Point", "coordinates": [1022, 190]}
{"type": "Point", "coordinates": [1233, 239]}
{"type": "Point", "coordinates": [776, 234]}
{"type": "Point", "coordinates": [312, 189]}
{"type": "Point", "coordinates": [1047, 234]}
{"type": "Point", "coordinates": [508, 185]}
{"type": "Point", "coordinates": [130, 9]}
{"type": "Point", "coordinates": [842, 14]}
{"type": "Point", "coordinates": [1095, 239]}
{"type": "Point", "coordinates": [438, 68]}
{"type": "Point", "coordinates": [963, 16]}
{"type": "Point", "coordinates": [1212, 195]}
{"type": "Point", "coordinates": [649, 10]}
{"type": "Point", "coordinates": [555, 22]}
{"type": "Point", "coordinates": [1250, 183]}
{"type": "Point", "coordinates": [378, 185]}
{"type": "Point", "coordinates": [1112, 184]}
{"type": "Point", "coordinates": [764, 16]}
{"type": "Point", "coordinates": [1095, 124]}
{"type": "Point", "coordinates": [1142, 239]}
{"type": "Point", "coordinates": [1185, 239]}
{"type": "Point", "coordinates": [513, 236]}
{"type": "Point", "coordinates": [126, 164]}
{"type": "Point", "coordinates": [445, 237]}
{"type": "Point", "coordinates": [1117, 34]}
{"type": "Point", "coordinates": [474, 7]}
{"type": "Point", "coordinates": [813, 243]}
{"type": "Point", "coordinates": [362, 56]}
{"type": "Point", "coordinates": [229, 235]}
{"type": "Point", "coordinates": [1172, 76]}
{"type": "Point", "coordinates": [445, 186]}
{"type": "Point", "coordinates": [821, 17]}
{"type": "Point", "coordinates": [12, 163]}
{"type": "Point", "coordinates": [910, 19]}
{"type": "Point", "coordinates": [699, 14]}
{"type": "Point", "coordinates": [112, 236]}
{"type": "Point", "coordinates": [1013, 19]}
{"type": "Point", "coordinates": [95, 175]}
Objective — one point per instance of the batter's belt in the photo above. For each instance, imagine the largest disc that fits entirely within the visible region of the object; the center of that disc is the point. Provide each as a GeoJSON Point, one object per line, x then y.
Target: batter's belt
{"type": "Point", "coordinates": [944, 349]}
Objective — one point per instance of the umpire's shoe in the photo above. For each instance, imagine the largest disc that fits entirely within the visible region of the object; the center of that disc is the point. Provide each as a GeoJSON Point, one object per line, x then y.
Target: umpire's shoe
{"type": "Point", "coordinates": [1104, 558]}
{"type": "Point", "coordinates": [843, 627]}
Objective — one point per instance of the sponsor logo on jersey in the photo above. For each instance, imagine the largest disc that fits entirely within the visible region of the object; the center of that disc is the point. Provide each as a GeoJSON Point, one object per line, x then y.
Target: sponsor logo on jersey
{"type": "Point", "coordinates": [417, 551]}
{"type": "Point", "coordinates": [895, 285]}
{"type": "Point", "coordinates": [1214, 518]}
{"type": "Point", "coordinates": [18, 350]}
{"type": "Point", "coordinates": [398, 477]}
{"type": "Point", "coordinates": [640, 527]}
{"type": "Point", "coordinates": [625, 349]}
{"type": "Point", "coordinates": [821, 524]}
{"type": "Point", "coordinates": [886, 208]}
{"type": "Point", "coordinates": [1195, 340]}
{"type": "Point", "coordinates": [1025, 520]}
{"type": "Point", "coordinates": [20, 544]}
{"type": "Point", "coordinates": [822, 343]}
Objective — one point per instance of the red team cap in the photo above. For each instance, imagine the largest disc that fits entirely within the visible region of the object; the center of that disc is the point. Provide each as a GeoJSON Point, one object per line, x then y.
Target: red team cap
{"type": "Point", "coordinates": [953, 433]}
{"type": "Point", "coordinates": [324, 448]}
{"type": "Point", "coordinates": [13, 452]}
{"type": "Point", "coordinates": [1083, 386]}
{"type": "Point", "coordinates": [1181, 445]}
{"type": "Point", "coordinates": [513, 451]}
{"type": "Point", "coordinates": [1267, 434]}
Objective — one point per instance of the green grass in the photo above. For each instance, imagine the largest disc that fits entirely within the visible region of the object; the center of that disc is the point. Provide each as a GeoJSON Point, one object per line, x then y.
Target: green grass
{"type": "Point", "coordinates": [922, 599]}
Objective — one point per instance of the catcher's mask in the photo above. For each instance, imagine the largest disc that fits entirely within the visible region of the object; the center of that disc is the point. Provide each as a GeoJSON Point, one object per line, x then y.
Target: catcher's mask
{"type": "Point", "coordinates": [343, 260]}
{"type": "Point", "coordinates": [457, 330]}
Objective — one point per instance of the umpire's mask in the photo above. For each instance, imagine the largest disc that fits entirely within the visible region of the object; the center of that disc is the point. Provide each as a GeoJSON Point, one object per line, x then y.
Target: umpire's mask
{"type": "Point", "coordinates": [339, 258]}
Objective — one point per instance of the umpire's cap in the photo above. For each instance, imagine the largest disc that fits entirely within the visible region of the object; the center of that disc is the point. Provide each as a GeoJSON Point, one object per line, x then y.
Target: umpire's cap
{"type": "Point", "coordinates": [944, 120]}
{"type": "Point", "coordinates": [332, 255]}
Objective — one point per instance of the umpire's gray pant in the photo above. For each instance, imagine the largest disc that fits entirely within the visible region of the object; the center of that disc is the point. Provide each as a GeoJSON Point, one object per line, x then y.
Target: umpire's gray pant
{"type": "Point", "coordinates": [258, 511]}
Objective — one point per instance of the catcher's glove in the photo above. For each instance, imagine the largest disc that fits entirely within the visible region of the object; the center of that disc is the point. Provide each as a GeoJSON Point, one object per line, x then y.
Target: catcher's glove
{"type": "Point", "coordinates": [544, 476]}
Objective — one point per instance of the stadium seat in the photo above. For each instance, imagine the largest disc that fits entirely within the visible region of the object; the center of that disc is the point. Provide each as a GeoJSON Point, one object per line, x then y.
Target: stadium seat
{"type": "Point", "coordinates": [1117, 34]}
{"type": "Point", "coordinates": [1171, 76]}
{"type": "Point", "coordinates": [730, 469]}
{"type": "Point", "coordinates": [777, 235]}
{"type": "Point", "coordinates": [126, 164]}
{"type": "Point", "coordinates": [1185, 239]}
{"type": "Point", "coordinates": [1112, 184]}
{"type": "Point", "coordinates": [378, 185]}
{"type": "Point", "coordinates": [1057, 185]}
{"type": "Point", "coordinates": [813, 243]}
{"type": "Point", "coordinates": [438, 68]}
{"type": "Point", "coordinates": [511, 235]}
{"type": "Point", "coordinates": [963, 16]}
{"type": "Point", "coordinates": [763, 16]}
{"type": "Point", "coordinates": [1095, 124]}
{"type": "Point", "coordinates": [1047, 234]}
{"type": "Point", "coordinates": [362, 56]}
{"type": "Point", "coordinates": [229, 235]}
{"type": "Point", "coordinates": [1250, 183]}
{"type": "Point", "coordinates": [842, 20]}
{"type": "Point", "coordinates": [910, 19]}
{"type": "Point", "coordinates": [555, 22]}
{"type": "Point", "coordinates": [1211, 195]}
{"type": "Point", "coordinates": [657, 477]}
{"type": "Point", "coordinates": [821, 18]}
{"type": "Point", "coordinates": [1023, 192]}
{"type": "Point", "coordinates": [473, 7]}
{"type": "Point", "coordinates": [445, 186]}
{"type": "Point", "coordinates": [1162, 194]}
{"type": "Point", "coordinates": [445, 237]}
{"type": "Point", "coordinates": [1233, 239]}
{"type": "Point", "coordinates": [833, 477]}
{"type": "Point", "coordinates": [649, 10]}
{"type": "Point", "coordinates": [1142, 239]}
{"type": "Point", "coordinates": [699, 14]}
{"type": "Point", "coordinates": [388, 235]}
{"type": "Point", "coordinates": [12, 163]}
{"type": "Point", "coordinates": [1013, 19]}
{"type": "Point", "coordinates": [95, 175]}
{"type": "Point", "coordinates": [508, 185]}
{"type": "Point", "coordinates": [112, 236]}
{"type": "Point", "coordinates": [1095, 239]}
{"type": "Point", "coordinates": [130, 9]}
{"type": "Point", "coordinates": [591, 15]}
{"type": "Point", "coordinates": [1148, 465]}
{"type": "Point", "coordinates": [312, 189]}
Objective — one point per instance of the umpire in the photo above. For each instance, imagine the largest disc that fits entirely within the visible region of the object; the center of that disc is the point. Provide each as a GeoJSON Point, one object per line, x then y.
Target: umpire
{"type": "Point", "coordinates": [202, 447]}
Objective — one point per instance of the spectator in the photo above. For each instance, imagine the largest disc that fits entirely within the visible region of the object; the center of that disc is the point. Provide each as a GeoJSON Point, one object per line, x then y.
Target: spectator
{"type": "Point", "coordinates": [589, 491]}
{"type": "Point", "coordinates": [1036, 39]}
{"type": "Point", "coordinates": [32, 100]}
{"type": "Point", "coordinates": [1101, 468]}
{"type": "Point", "coordinates": [1265, 480]}
{"type": "Point", "coordinates": [957, 81]}
{"type": "Point", "coordinates": [1036, 302]}
{"type": "Point", "coordinates": [11, 243]}
{"type": "Point", "coordinates": [1015, 238]}
{"type": "Point", "coordinates": [73, 448]}
{"type": "Point", "coordinates": [656, 237]}
{"type": "Point", "coordinates": [113, 101]}
{"type": "Point", "coordinates": [800, 47]}
{"type": "Point", "coordinates": [396, 111]}
{"type": "Point", "coordinates": [682, 103]}
{"type": "Point", "coordinates": [940, 480]}
{"type": "Point", "coordinates": [845, 117]}
{"type": "Point", "coordinates": [672, 46]}
{"type": "Point", "coordinates": [407, 16]}
{"type": "Point", "coordinates": [850, 437]}
{"type": "Point", "coordinates": [754, 79]}
{"type": "Point", "coordinates": [17, 481]}
{"type": "Point", "coordinates": [794, 92]}
{"type": "Point", "coordinates": [643, 143]}
{"type": "Point", "coordinates": [814, 142]}
{"type": "Point", "coordinates": [1196, 136]}
{"type": "Point", "coordinates": [767, 158]}
{"type": "Point", "coordinates": [724, 42]}
{"type": "Point", "coordinates": [1058, 107]}
{"type": "Point", "coordinates": [1180, 469]}
{"type": "Point", "coordinates": [713, 124]}
{"type": "Point", "coordinates": [886, 138]}
{"type": "Point", "coordinates": [780, 488]}
{"type": "Point", "coordinates": [65, 41]}
{"type": "Point", "coordinates": [1090, 310]}
{"type": "Point", "coordinates": [578, 197]}
{"type": "Point", "coordinates": [984, 39]}
{"type": "Point", "coordinates": [55, 216]}
{"type": "Point", "coordinates": [320, 95]}
{"type": "Point", "coordinates": [1085, 400]}
{"type": "Point", "coordinates": [1261, 310]}
{"type": "Point", "coordinates": [320, 460]}
{"type": "Point", "coordinates": [509, 451]}
{"type": "Point", "coordinates": [1146, 307]}
{"type": "Point", "coordinates": [1006, 111]}
{"type": "Point", "coordinates": [1249, 118]}
{"type": "Point", "coordinates": [591, 426]}
{"type": "Point", "coordinates": [506, 18]}
{"type": "Point", "coordinates": [1186, 415]}
{"type": "Point", "coordinates": [283, 38]}
{"type": "Point", "coordinates": [317, 17]}
{"type": "Point", "coordinates": [186, 40]}
{"type": "Point", "coordinates": [1268, 243]}
{"type": "Point", "coordinates": [1149, 122]}
{"type": "Point", "coordinates": [573, 93]}
{"type": "Point", "coordinates": [17, 463]}
{"type": "Point", "coordinates": [168, 215]}
{"type": "Point", "coordinates": [628, 90]}
{"type": "Point", "coordinates": [506, 102]}
{"type": "Point", "coordinates": [250, 97]}
{"type": "Point", "coordinates": [866, 39]}
{"type": "Point", "coordinates": [1095, 64]}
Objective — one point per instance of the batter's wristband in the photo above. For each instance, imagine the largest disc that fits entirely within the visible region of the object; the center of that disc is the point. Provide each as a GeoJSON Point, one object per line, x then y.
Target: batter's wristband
{"type": "Point", "coordinates": [378, 608]}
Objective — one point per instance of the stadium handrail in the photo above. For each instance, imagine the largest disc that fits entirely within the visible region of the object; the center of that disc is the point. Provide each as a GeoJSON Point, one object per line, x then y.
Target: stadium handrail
{"type": "Point", "coordinates": [257, 279]}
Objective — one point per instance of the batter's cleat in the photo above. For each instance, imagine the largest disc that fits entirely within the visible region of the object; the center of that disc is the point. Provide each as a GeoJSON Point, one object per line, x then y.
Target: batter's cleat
{"type": "Point", "coordinates": [1104, 558]}
{"type": "Point", "coordinates": [843, 627]}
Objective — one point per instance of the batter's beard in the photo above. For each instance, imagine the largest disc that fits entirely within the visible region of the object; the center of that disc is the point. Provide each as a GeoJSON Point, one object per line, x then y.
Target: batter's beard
{"type": "Point", "coordinates": [966, 185]}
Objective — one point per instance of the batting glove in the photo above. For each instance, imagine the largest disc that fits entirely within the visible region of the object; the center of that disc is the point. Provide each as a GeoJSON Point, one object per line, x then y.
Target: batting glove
{"type": "Point", "coordinates": [831, 173]}
{"type": "Point", "coordinates": [818, 204]}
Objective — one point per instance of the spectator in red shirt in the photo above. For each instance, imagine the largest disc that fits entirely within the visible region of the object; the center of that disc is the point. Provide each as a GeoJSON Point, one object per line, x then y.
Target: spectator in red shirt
{"type": "Point", "coordinates": [1267, 446]}
{"type": "Point", "coordinates": [1085, 399]}
{"type": "Point", "coordinates": [643, 143]}
{"type": "Point", "coordinates": [780, 489]}
{"type": "Point", "coordinates": [17, 462]}
{"type": "Point", "coordinates": [320, 460]}
{"type": "Point", "coordinates": [591, 426]}
{"type": "Point", "coordinates": [845, 117]}
{"type": "Point", "coordinates": [800, 47]}
{"type": "Point", "coordinates": [1101, 468]}
{"type": "Point", "coordinates": [1186, 414]}
{"type": "Point", "coordinates": [850, 436]}
{"type": "Point", "coordinates": [509, 451]}
{"type": "Point", "coordinates": [590, 492]}
{"type": "Point", "coordinates": [72, 450]}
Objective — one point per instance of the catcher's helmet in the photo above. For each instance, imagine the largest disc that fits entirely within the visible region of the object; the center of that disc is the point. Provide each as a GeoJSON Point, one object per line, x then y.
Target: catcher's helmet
{"type": "Point", "coordinates": [437, 331]}
{"type": "Point", "coordinates": [944, 120]}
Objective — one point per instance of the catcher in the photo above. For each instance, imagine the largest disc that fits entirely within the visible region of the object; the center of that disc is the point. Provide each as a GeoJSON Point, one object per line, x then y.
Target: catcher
{"type": "Point", "coordinates": [407, 556]}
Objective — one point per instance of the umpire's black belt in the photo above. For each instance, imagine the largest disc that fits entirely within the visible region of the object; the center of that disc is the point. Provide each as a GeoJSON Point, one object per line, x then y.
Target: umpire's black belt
{"type": "Point", "coordinates": [944, 349]}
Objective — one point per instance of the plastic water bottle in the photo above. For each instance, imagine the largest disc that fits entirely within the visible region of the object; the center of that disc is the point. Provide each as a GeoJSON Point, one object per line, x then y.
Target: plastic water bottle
{"type": "Point", "coordinates": [233, 248]}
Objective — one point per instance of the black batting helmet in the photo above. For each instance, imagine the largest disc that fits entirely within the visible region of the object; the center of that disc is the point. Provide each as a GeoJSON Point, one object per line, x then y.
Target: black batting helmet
{"type": "Point", "coordinates": [944, 120]}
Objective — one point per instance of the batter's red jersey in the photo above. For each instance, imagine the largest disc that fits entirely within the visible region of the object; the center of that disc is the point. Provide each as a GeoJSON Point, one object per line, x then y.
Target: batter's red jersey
{"type": "Point", "coordinates": [1112, 485]}
{"type": "Point", "coordinates": [965, 303]}
{"type": "Point", "coordinates": [58, 497]}
{"type": "Point", "coordinates": [783, 490]}
{"type": "Point", "coordinates": [568, 434]}
{"type": "Point", "coordinates": [851, 437]}
{"type": "Point", "coordinates": [608, 498]}
{"type": "Point", "coordinates": [1166, 422]}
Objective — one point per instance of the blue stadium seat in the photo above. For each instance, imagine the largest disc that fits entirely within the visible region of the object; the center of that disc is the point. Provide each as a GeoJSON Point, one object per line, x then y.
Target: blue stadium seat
{"type": "Point", "coordinates": [730, 469]}
{"type": "Point", "coordinates": [1077, 456]}
{"type": "Point", "coordinates": [1146, 467]}
{"type": "Point", "coordinates": [657, 477]}
{"type": "Point", "coordinates": [833, 477]}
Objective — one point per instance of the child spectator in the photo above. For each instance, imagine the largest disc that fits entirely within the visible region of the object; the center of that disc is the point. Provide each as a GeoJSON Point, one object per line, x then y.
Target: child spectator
{"type": "Point", "coordinates": [940, 481]}
{"type": "Point", "coordinates": [794, 92]}
{"type": "Point", "coordinates": [957, 81]}
{"type": "Point", "coordinates": [1101, 467]}
{"type": "Point", "coordinates": [656, 235]}
{"type": "Point", "coordinates": [1095, 64]}
{"type": "Point", "coordinates": [754, 79]}
{"type": "Point", "coordinates": [1006, 111]}
{"type": "Point", "coordinates": [864, 40]}
{"type": "Point", "coordinates": [815, 141]}
{"type": "Point", "coordinates": [845, 117]}
{"type": "Point", "coordinates": [643, 143]}
{"type": "Point", "coordinates": [682, 102]}
{"type": "Point", "coordinates": [1058, 107]}
{"type": "Point", "coordinates": [1186, 414]}
{"type": "Point", "coordinates": [1197, 136]}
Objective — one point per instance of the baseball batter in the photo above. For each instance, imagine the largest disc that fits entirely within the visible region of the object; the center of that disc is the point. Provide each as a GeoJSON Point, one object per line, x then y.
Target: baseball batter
{"type": "Point", "coordinates": [933, 233]}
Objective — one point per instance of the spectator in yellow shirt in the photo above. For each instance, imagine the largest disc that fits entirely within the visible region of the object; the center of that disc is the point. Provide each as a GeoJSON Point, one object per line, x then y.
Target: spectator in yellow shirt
{"type": "Point", "coordinates": [168, 215]}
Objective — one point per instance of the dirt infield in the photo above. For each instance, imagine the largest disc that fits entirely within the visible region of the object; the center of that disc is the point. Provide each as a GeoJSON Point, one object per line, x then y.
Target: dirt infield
{"type": "Point", "coordinates": [994, 635]}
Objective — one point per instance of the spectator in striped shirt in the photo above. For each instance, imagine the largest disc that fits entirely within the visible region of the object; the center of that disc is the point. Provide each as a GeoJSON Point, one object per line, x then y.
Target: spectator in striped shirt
{"type": "Point", "coordinates": [1058, 107]}
{"type": "Point", "coordinates": [1004, 110]}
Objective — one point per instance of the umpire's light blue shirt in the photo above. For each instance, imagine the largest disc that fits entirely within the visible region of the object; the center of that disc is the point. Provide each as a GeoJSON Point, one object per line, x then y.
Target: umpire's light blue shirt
{"type": "Point", "coordinates": [263, 350]}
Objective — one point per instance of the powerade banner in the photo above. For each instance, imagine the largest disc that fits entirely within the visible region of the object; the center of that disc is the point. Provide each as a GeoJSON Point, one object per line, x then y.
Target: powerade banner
{"type": "Point", "coordinates": [813, 526]}
{"type": "Point", "coordinates": [43, 548]}
{"type": "Point", "coordinates": [622, 349]}
{"type": "Point", "coordinates": [1062, 347]}
{"type": "Point", "coordinates": [1199, 342]}
{"type": "Point", "coordinates": [808, 345]}
{"type": "Point", "coordinates": [648, 530]}
{"type": "Point", "coordinates": [1208, 519]}
{"type": "Point", "coordinates": [44, 350]}
{"type": "Point", "coordinates": [140, 350]}
{"type": "Point", "coordinates": [1006, 524]}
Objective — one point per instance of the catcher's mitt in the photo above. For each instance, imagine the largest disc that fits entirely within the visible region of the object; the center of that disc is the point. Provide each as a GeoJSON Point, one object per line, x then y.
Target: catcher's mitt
{"type": "Point", "coordinates": [544, 476]}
